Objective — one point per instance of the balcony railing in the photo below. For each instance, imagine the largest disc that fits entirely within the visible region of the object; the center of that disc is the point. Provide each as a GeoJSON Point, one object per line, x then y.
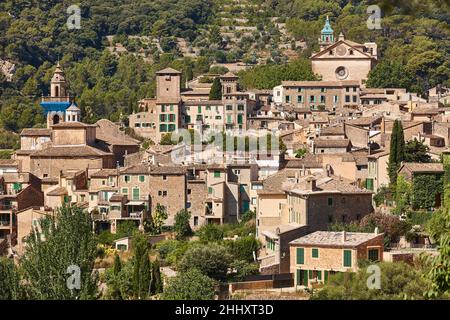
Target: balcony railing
{"type": "Point", "coordinates": [7, 207]}
{"type": "Point", "coordinates": [5, 223]}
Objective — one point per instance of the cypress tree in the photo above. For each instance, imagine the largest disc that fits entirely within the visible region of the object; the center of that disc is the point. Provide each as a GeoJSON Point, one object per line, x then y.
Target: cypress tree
{"type": "Point", "coordinates": [156, 282]}
{"type": "Point", "coordinates": [145, 274]}
{"type": "Point", "coordinates": [397, 151]}
{"type": "Point", "coordinates": [216, 90]}
{"type": "Point", "coordinates": [117, 265]}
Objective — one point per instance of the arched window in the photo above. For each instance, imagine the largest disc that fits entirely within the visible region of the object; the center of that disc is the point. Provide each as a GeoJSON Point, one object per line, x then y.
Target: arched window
{"type": "Point", "coordinates": [55, 119]}
{"type": "Point", "coordinates": [56, 91]}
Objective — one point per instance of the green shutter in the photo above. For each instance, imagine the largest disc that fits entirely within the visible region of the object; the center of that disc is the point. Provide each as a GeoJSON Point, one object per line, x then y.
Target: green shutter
{"type": "Point", "coordinates": [136, 193]}
{"type": "Point", "coordinates": [315, 253]}
{"type": "Point", "coordinates": [325, 275]}
{"type": "Point", "coordinates": [141, 178]}
{"type": "Point", "coordinates": [347, 258]}
{"type": "Point", "coordinates": [310, 274]}
{"type": "Point", "coordinates": [300, 256]}
{"type": "Point", "coordinates": [216, 174]}
{"type": "Point", "coordinates": [299, 277]}
{"type": "Point", "coordinates": [319, 275]}
{"type": "Point", "coordinates": [240, 118]}
{"type": "Point", "coordinates": [305, 277]}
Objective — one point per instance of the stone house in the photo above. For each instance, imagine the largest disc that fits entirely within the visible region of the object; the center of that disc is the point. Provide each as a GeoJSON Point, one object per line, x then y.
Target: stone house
{"type": "Point", "coordinates": [317, 255]}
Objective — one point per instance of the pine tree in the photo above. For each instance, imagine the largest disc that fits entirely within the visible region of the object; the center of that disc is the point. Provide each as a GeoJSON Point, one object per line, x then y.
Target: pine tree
{"type": "Point", "coordinates": [140, 251]}
{"type": "Point", "coordinates": [397, 151]}
{"type": "Point", "coordinates": [216, 90]}
{"type": "Point", "coordinates": [117, 265]}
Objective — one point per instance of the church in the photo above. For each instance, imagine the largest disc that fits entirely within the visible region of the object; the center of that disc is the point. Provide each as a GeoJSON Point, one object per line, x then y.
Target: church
{"type": "Point", "coordinates": [57, 107]}
{"type": "Point", "coordinates": [342, 59]}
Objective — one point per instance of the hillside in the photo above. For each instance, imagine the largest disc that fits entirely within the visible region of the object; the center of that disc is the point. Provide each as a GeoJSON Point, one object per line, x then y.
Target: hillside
{"type": "Point", "coordinates": [110, 62]}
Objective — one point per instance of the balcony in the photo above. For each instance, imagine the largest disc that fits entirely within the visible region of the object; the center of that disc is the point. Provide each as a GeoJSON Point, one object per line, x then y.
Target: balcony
{"type": "Point", "coordinates": [5, 224]}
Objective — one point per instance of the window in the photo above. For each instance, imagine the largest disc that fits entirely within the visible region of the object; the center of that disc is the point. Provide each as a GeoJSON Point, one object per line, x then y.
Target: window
{"type": "Point", "coordinates": [330, 202]}
{"type": "Point", "coordinates": [300, 99]}
{"type": "Point", "coordinates": [335, 99]}
{"type": "Point", "coordinates": [240, 107]}
{"type": "Point", "coordinates": [164, 177]}
{"type": "Point", "coordinates": [240, 118]}
{"type": "Point", "coordinates": [237, 171]}
{"type": "Point", "coordinates": [142, 178]}
{"type": "Point", "coordinates": [314, 252]}
{"type": "Point", "coordinates": [124, 190]}
{"type": "Point", "coordinates": [322, 99]}
{"type": "Point", "coordinates": [300, 255]}
{"type": "Point", "coordinates": [347, 258]}
{"type": "Point", "coordinates": [126, 178]}
{"type": "Point", "coordinates": [373, 255]}
{"type": "Point", "coordinates": [164, 193]}
{"type": "Point", "coordinates": [171, 107]}
{"type": "Point", "coordinates": [323, 89]}
{"type": "Point", "coordinates": [195, 221]}
{"type": "Point", "coordinates": [171, 127]}
{"type": "Point", "coordinates": [347, 98]}
{"type": "Point", "coordinates": [216, 174]}
{"type": "Point", "coordinates": [136, 193]}
{"type": "Point", "coordinates": [229, 119]}
{"type": "Point", "coordinates": [163, 127]}
{"type": "Point", "coordinates": [163, 108]}
{"type": "Point", "coordinates": [229, 107]}
{"type": "Point", "coordinates": [355, 99]}
{"type": "Point", "coordinates": [189, 191]}
{"type": "Point", "coordinates": [288, 99]}
{"type": "Point", "coordinates": [312, 99]}
{"type": "Point", "coordinates": [199, 109]}
{"type": "Point", "coordinates": [172, 118]}
{"type": "Point", "coordinates": [210, 190]}
{"type": "Point", "coordinates": [218, 118]}
{"type": "Point", "coordinates": [103, 182]}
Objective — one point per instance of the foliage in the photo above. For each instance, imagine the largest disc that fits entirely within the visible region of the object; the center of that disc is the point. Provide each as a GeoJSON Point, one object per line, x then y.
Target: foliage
{"type": "Point", "coordinates": [9, 140]}
{"type": "Point", "coordinates": [211, 259]}
{"type": "Point", "coordinates": [390, 225]}
{"type": "Point", "coordinates": [389, 74]}
{"type": "Point", "coordinates": [248, 215]}
{"type": "Point", "coordinates": [383, 194]}
{"type": "Point", "coordinates": [243, 248]}
{"type": "Point", "coordinates": [126, 229]}
{"type": "Point", "coordinates": [156, 285]}
{"type": "Point", "coordinates": [416, 151]}
{"type": "Point", "coordinates": [271, 75]}
{"type": "Point", "coordinates": [181, 226]}
{"type": "Point", "coordinates": [439, 273]}
{"type": "Point", "coordinates": [9, 280]}
{"type": "Point", "coordinates": [216, 90]}
{"type": "Point", "coordinates": [397, 151]}
{"type": "Point", "coordinates": [106, 238]}
{"type": "Point", "coordinates": [171, 251]}
{"type": "Point", "coordinates": [300, 153]}
{"type": "Point", "coordinates": [437, 225]}
{"type": "Point", "coordinates": [189, 285]}
{"type": "Point", "coordinates": [210, 233]}
{"type": "Point", "coordinates": [112, 280]}
{"type": "Point", "coordinates": [243, 269]}
{"type": "Point", "coordinates": [402, 195]}
{"type": "Point", "coordinates": [158, 219]}
{"type": "Point", "coordinates": [398, 281]}
{"type": "Point", "coordinates": [58, 243]}
{"type": "Point", "coordinates": [425, 189]}
{"type": "Point", "coordinates": [141, 266]}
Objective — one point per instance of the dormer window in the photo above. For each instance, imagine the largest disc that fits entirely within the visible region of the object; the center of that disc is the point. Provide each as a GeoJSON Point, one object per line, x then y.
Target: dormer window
{"type": "Point", "coordinates": [351, 52]}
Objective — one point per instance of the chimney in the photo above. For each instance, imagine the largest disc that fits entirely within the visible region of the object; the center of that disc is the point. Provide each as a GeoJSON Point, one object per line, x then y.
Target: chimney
{"type": "Point", "coordinates": [311, 183]}
{"type": "Point", "coordinates": [344, 236]}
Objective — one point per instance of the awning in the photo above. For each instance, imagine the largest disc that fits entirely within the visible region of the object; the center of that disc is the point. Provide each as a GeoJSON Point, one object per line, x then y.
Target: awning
{"type": "Point", "coordinates": [135, 203]}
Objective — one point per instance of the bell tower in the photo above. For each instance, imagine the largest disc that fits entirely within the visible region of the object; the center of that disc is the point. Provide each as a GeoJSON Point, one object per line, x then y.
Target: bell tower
{"type": "Point", "coordinates": [58, 83]}
{"type": "Point", "coordinates": [326, 35]}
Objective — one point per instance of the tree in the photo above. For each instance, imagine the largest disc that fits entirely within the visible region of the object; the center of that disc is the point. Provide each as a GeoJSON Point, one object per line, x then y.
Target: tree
{"type": "Point", "coordinates": [112, 279]}
{"type": "Point", "coordinates": [397, 151]}
{"type": "Point", "coordinates": [190, 285]}
{"type": "Point", "coordinates": [211, 259]}
{"type": "Point", "coordinates": [440, 264]}
{"type": "Point", "coordinates": [416, 151]}
{"type": "Point", "coordinates": [300, 153]}
{"type": "Point", "coordinates": [59, 245]}
{"type": "Point", "coordinates": [389, 74]}
{"type": "Point", "coordinates": [9, 280]}
{"type": "Point", "coordinates": [141, 266]}
{"type": "Point", "coordinates": [399, 281]}
{"type": "Point", "coordinates": [210, 233]}
{"type": "Point", "coordinates": [181, 226]}
{"type": "Point", "coordinates": [158, 219]}
{"type": "Point", "coordinates": [156, 282]}
{"type": "Point", "coordinates": [216, 90]}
